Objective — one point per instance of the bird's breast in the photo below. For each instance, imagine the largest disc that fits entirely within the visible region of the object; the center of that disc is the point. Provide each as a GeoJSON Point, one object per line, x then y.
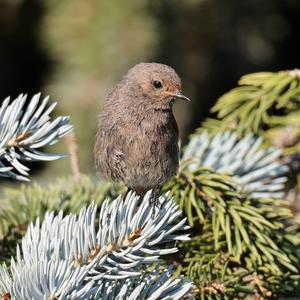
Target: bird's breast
{"type": "Point", "coordinates": [156, 148]}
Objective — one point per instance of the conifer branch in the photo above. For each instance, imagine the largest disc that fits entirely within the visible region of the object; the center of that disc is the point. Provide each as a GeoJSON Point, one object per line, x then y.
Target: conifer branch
{"type": "Point", "coordinates": [257, 171]}
{"type": "Point", "coordinates": [264, 103]}
{"type": "Point", "coordinates": [72, 257]}
{"type": "Point", "coordinates": [23, 130]}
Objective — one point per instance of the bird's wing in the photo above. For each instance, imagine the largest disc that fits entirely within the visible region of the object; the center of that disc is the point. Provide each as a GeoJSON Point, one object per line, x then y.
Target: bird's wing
{"type": "Point", "coordinates": [117, 160]}
{"type": "Point", "coordinates": [109, 148]}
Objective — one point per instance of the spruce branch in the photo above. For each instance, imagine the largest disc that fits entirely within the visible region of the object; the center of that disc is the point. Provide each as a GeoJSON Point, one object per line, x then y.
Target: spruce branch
{"type": "Point", "coordinates": [255, 226]}
{"type": "Point", "coordinates": [257, 171]}
{"type": "Point", "coordinates": [72, 257]}
{"type": "Point", "coordinates": [255, 234]}
{"type": "Point", "coordinates": [68, 282]}
{"type": "Point", "coordinates": [5, 282]}
{"type": "Point", "coordinates": [150, 285]}
{"type": "Point", "coordinates": [259, 97]}
{"type": "Point", "coordinates": [264, 103]}
{"type": "Point", "coordinates": [209, 267]}
{"type": "Point", "coordinates": [226, 186]}
{"type": "Point", "coordinates": [215, 280]}
{"type": "Point", "coordinates": [23, 130]}
{"type": "Point", "coordinates": [19, 207]}
{"type": "Point", "coordinates": [215, 274]}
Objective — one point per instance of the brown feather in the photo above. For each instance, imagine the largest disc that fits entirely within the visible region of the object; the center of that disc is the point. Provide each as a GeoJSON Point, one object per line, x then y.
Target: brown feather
{"type": "Point", "coordinates": [137, 136]}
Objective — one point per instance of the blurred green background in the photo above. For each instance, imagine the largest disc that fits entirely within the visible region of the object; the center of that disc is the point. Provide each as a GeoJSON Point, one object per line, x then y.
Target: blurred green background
{"type": "Point", "coordinates": [76, 51]}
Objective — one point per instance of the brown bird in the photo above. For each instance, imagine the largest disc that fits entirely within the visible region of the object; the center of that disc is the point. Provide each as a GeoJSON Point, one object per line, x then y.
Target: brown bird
{"type": "Point", "coordinates": [137, 136]}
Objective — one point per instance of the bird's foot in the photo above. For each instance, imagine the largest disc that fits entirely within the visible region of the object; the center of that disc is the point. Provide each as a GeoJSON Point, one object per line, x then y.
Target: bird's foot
{"type": "Point", "coordinates": [154, 202]}
{"type": "Point", "coordinates": [129, 189]}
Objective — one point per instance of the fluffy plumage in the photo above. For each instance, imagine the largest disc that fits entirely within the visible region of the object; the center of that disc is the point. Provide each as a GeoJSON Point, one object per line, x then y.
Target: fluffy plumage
{"type": "Point", "coordinates": [137, 137]}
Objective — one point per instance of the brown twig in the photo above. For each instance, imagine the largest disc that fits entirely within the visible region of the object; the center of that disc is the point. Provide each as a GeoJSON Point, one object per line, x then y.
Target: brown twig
{"type": "Point", "coordinates": [74, 157]}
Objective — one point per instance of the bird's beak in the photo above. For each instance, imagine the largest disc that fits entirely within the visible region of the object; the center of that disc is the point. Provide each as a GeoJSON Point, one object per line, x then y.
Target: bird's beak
{"type": "Point", "coordinates": [178, 96]}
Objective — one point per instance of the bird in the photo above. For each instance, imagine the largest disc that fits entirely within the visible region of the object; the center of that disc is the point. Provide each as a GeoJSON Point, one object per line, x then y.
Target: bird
{"type": "Point", "coordinates": [137, 134]}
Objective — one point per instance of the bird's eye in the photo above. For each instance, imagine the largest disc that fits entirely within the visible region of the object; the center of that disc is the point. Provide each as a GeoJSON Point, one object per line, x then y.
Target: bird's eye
{"type": "Point", "coordinates": [157, 84]}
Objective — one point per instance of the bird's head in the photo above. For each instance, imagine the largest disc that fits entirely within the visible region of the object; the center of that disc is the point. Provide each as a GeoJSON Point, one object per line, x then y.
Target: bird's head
{"type": "Point", "coordinates": [157, 84]}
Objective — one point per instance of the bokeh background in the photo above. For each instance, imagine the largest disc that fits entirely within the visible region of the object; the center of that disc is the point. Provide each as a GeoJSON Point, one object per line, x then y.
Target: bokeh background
{"type": "Point", "coordinates": [76, 51]}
